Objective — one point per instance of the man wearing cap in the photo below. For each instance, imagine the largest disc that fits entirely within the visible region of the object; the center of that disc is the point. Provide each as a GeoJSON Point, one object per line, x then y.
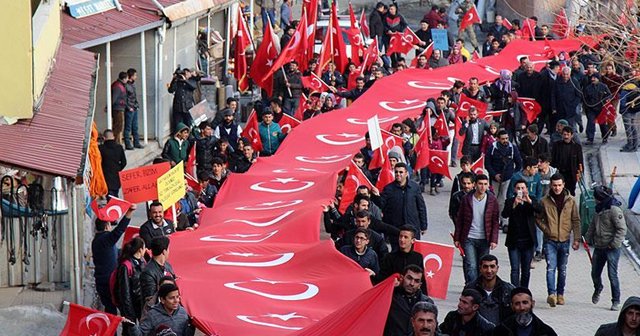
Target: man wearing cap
{"type": "Point", "coordinates": [176, 149]}
{"type": "Point", "coordinates": [228, 128]}
{"type": "Point", "coordinates": [595, 96]}
{"type": "Point", "coordinates": [606, 233]}
{"type": "Point", "coordinates": [524, 321]}
{"type": "Point", "coordinates": [567, 157]}
{"type": "Point", "coordinates": [557, 134]}
{"type": "Point", "coordinates": [231, 105]}
{"type": "Point", "coordinates": [270, 133]}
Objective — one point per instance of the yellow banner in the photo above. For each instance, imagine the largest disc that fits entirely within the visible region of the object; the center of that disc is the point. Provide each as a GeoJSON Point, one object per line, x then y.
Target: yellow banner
{"type": "Point", "coordinates": [171, 186]}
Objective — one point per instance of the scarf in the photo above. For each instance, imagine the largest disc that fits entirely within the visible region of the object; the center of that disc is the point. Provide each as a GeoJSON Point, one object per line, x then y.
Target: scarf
{"type": "Point", "coordinates": [504, 83]}
{"type": "Point", "coordinates": [606, 204]}
{"type": "Point", "coordinates": [455, 59]}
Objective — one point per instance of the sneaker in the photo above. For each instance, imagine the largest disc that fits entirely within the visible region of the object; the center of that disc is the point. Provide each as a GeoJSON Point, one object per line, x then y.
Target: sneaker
{"type": "Point", "coordinates": [138, 145]}
{"type": "Point", "coordinates": [551, 300]}
{"type": "Point", "coordinates": [615, 306]}
{"type": "Point", "coordinates": [532, 265]}
{"type": "Point", "coordinates": [589, 142]}
{"type": "Point", "coordinates": [128, 147]}
{"type": "Point", "coordinates": [628, 149]}
{"type": "Point", "coordinates": [538, 256]}
{"type": "Point", "coordinates": [561, 299]}
{"type": "Point", "coordinates": [595, 298]}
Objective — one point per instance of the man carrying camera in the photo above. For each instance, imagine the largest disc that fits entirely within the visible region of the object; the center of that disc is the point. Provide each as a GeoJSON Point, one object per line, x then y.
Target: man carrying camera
{"type": "Point", "coordinates": [182, 85]}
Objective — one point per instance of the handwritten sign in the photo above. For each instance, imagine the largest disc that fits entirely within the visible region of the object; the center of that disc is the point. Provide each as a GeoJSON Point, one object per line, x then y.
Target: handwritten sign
{"type": "Point", "coordinates": [139, 184]}
{"type": "Point", "coordinates": [171, 186]}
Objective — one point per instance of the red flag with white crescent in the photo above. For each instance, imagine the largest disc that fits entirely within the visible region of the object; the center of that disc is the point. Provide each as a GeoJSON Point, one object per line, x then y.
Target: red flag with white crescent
{"type": "Point", "coordinates": [441, 125]}
{"type": "Point", "coordinates": [339, 48]}
{"type": "Point", "coordinates": [310, 7]}
{"type": "Point", "coordinates": [287, 123]}
{"type": "Point", "coordinates": [469, 18]}
{"type": "Point", "coordinates": [422, 149]}
{"type": "Point", "coordinates": [437, 262]}
{"type": "Point", "coordinates": [439, 162]}
{"type": "Point", "coordinates": [390, 140]}
{"type": "Point", "coordinates": [267, 54]}
{"type": "Point", "coordinates": [457, 126]}
{"type": "Point", "coordinates": [371, 55]}
{"type": "Point", "coordinates": [83, 321]}
{"type": "Point", "coordinates": [402, 42]}
{"type": "Point", "coordinates": [466, 103]}
{"type": "Point", "coordinates": [355, 178]}
{"type": "Point", "coordinates": [528, 29]}
{"type": "Point", "coordinates": [296, 49]}
{"type": "Point", "coordinates": [252, 131]}
{"type": "Point", "coordinates": [561, 24]}
{"type": "Point", "coordinates": [243, 41]}
{"type": "Point", "coordinates": [607, 114]}
{"type": "Point", "coordinates": [193, 182]}
{"type": "Point", "coordinates": [113, 211]}
{"type": "Point", "coordinates": [478, 166]}
{"type": "Point", "coordinates": [531, 108]}
{"type": "Point", "coordinates": [364, 25]}
{"type": "Point", "coordinates": [427, 52]}
{"type": "Point", "coordinates": [507, 24]}
{"type": "Point", "coordinates": [314, 83]}
{"type": "Point", "coordinates": [190, 166]}
{"type": "Point", "coordinates": [386, 174]}
{"type": "Point", "coordinates": [303, 104]}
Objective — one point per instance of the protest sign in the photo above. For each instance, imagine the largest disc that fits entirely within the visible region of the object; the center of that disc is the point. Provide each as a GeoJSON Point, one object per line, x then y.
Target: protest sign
{"type": "Point", "coordinates": [139, 184]}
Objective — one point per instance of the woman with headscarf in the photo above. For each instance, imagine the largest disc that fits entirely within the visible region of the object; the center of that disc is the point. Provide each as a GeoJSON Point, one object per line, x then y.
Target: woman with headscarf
{"type": "Point", "coordinates": [456, 56]}
{"type": "Point", "coordinates": [501, 90]}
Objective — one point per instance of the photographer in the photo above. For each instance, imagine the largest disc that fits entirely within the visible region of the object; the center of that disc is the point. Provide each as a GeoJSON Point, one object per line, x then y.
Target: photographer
{"type": "Point", "coordinates": [182, 85]}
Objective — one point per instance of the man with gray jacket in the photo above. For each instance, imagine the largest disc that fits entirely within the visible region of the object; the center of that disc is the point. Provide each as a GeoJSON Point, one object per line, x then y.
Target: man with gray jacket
{"type": "Point", "coordinates": [606, 233]}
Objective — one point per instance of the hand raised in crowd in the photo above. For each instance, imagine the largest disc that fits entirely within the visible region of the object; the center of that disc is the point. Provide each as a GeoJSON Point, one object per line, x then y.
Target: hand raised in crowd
{"type": "Point", "coordinates": [133, 208]}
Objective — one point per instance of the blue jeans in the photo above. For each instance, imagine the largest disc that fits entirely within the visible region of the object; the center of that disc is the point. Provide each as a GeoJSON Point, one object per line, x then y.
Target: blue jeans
{"type": "Point", "coordinates": [473, 250]}
{"type": "Point", "coordinates": [610, 257]}
{"type": "Point", "coordinates": [272, 16]}
{"type": "Point", "coordinates": [131, 127]}
{"type": "Point", "coordinates": [520, 260]}
{"type": "Point", "coordinates": [539, 240]}
{"type": "Point", "coordinates": [290, 105]}
{"type": "Point", "coordinates": [557, 255]}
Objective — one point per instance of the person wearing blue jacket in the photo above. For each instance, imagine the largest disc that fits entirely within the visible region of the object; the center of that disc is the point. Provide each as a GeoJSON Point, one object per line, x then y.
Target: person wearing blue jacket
{"type": "Point", "coordinates": [270, 134]}
{"type": "Point", "coordinates": [502, 159]}
{"type": "Point", "coordinates": [105, 254]}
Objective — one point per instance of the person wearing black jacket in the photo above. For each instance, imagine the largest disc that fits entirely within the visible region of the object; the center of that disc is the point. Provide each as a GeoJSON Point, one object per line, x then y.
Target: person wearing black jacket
{"type": "Point", "coordinates": [466, 320]}
{"type": "Point", "coordinates": [396, 262]}
{"type": "Point", "coordinates": [495, 304]}
{"type": "Point", "coordinates": [595, 95]}
{"type": "Point", "coordinates": [548, 75]}
{"type": "Point", "coordinates": [521, 237]}
{"type": "Point", "coordinates": [206, 146]}
{"type": "Point", "coordinates": [105, 254]}
{"type": "Point", "coordinates": [567, 157]}
{"type": "Point", "coordinates": [533, 144]}
{"type": "Point", "coordinates": [565, 99]}
{"type": "Point", "coordinates": [113, 161]}
{"type": "Point", "coordinates": [183, 84]}
{"type": "Point", "coordinates": [294, 89]}
{"type": "Point", "coordinates": [467, 181]}
{"type": "Point", "coordinates": [354, 93]}
{"type": "Point", "coordinates": [405, 296]}
{"type": "Point", "coordinates": [157, 268]}
{"type": "Point", "coordinates": [242, 163]}
{"type": "Point", "coordinates": [523, 320]}
{"type": "Point", "coordinates": [376, 241]}
{"type": "Point", "coordinates": [376, 23]}
{"type": "Point", "coordinates": [156, 226]}
{"type": "Point", "coordinates": [127, 286]}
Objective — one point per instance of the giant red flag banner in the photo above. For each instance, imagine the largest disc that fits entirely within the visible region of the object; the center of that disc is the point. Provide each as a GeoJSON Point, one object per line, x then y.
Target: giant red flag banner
{"type": "Point", "coordinates": [379, 157]}
{"type": "Point", "coordinates": [607, 115]}
{"type": "Point", "coordinates": [365, 315]}
{"type": "Point", "coordinates": [256, 265]}
{"type": "Point", "coordinates": [287, 123]}
{"type": "Point", "coordinates": [437, 264]}
{"type": "Point", "coordinates": [243, 41]}
{"type": "Point", "coordinates": [439, 162]}
{"type": "Point", "coordinates": [355, 178]}
{"type": "Point", "coordinates": [531, 108]}
{"type": "Point", "coordinates": [252, 131]}
{"type": "Point", "coordinates": [267, 54]}
{"type": "Point", "coordinates": [469, 18]}
{"type": "Point", "coordinates": [83, 321]}
{"type": "Point", "coordinates": [422, 149]}
{"type": "Point", "coordinates": [478, 166]}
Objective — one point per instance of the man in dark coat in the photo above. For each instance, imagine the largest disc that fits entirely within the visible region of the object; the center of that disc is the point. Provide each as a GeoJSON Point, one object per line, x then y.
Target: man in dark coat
{"type": "Point", "coordinates": [376, 23]}
{"type": "Point", "coordinates": [294, 89]}
{"type": "Point", "coordinates": [566, 156]}
{"type": "Point", "coordinates": [376, 241]}
{"type": "Point", "coordinates": [156, 226]}
{"type": "Point", "coordinates": [131, 113]}
{"type": "Point", "coordinates": [118, 105]}
{"type": "Point", "coordinates": [529, 82]}
{"type": "Point", "coordinates": [467, 320]}
{"type": "Point", "coordinates": [404, 297]}
{"type": "Point", "coordinates": [524, 321]}
{"type": "Point", "coordinates": [242, 163]}
{"type": "Point", "coordinates": [565, 99]}
{"type": "Point", "coordinates": [473, 129]}
{"type": "Point", "coordinates": [183, 84]}
{"type": "Point", "coordinates": [533, 144]}
{"type": "Point", "coordinates": [157, 268]}
{"type": "Point", "coordinates": [402, 203]}
{"type": "Point", "coordinates": [549, 76]}
{"type": "Point", "coordinates": [113, 161]}
{"type": "Point", "coordinates": [206, 146]}
{"type": "Point", "coordinates": [595, 95]}
{"type": "Point", "coordinates": [495, 305]}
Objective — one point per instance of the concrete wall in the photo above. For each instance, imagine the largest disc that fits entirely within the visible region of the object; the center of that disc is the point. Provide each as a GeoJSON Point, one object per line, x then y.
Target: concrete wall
{"type": "Point", "coordinates": [516, 9]}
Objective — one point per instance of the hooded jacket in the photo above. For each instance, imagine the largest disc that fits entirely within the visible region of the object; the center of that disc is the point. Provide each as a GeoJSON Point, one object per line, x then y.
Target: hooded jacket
{"type": "Point", "coordinates": [608, 228]}
{"type": "Point", "coordinates": [179, 321]}
{"type": "Point", "coordinates": [502, 159]}
{"type": "Point", "coordinates": [615, 328]}
{"type": "Point", "coordinates": [558, 227]}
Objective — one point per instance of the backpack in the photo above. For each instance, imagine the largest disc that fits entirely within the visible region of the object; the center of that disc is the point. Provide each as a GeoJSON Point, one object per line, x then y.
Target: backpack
{"type": "Point", "coordinates": [113, 280]}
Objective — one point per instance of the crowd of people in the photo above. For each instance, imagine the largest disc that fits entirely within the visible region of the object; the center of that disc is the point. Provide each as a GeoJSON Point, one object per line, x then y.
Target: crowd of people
{"type": "Point", "coordinates": [528, 191]}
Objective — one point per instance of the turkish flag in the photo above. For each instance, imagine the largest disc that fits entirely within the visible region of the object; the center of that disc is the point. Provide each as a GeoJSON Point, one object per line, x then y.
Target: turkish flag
{"type": "Point", "coordinates": [113, 211]}
{"type": "Point", "coordinates": [439, 162]}
{"type": "Point", "coordinates": [252, 131]}
{"type": "Point", "coordinates": [561, 24]}
{"type": "Point", "coordinates": [469, 18]}
{"type": "Point", "coordinates": [478, 166]}
{"type": "Point", "coordinates": [607, 114]}
{"type": "Point", "coordinates": [190, 167]}
{"type": "Point", "coordinates": [351, 81]}
{"type": "Point", "coordinates": [339, 51]}
{"type": "Point", "coordinates": [296, 49]}
{"type": "Point", "coordinates": [427, 52]}
{"type": "Point", "coordinates": [422, 149]}
{"type": "Point", "coordinates": [243, 40]}
{"type": "Point", "coordinates": [437, 263]}
{"type": "Point", "coordinates": [364, 25]}
{"type": "Point", "coordinates": [83, 321]}
{"type": "Point", "coordinates": [267, 54]}
{"type": "Point", "coordinates": [386, 175]}
{"type": "Point", "coordinates": [402, 42]}
{"type": "Point", "coordinates": [507, 24]}
{"type": "Point", "coordinates": [355, 178]}
{"type": "Point", "coordinates": [193, 182]}
{"type": "Point", "coordinates": [441, 125]}
{"type": "Point", "coordinates": [357, 45]}
{"type": "Point", "coordinates": [303, 105]}
{"type": "Point", "coordinates": [314, 83]}
{"type": "Point", "coordinates": [371, 55]}
{"type": "Point", "coordinates": [531, 108]}
{"type": "Point", "coordinates": [310, 8]}
{"type": "Point", "coordinates": [465, 106]}
{"type": "Point", "coordinates": [129, 233]}
{"type": "Point", "coordinates": [457, 122]}
{"type": "Point", "coordinates": [325, 55]}
{"type": "Point", "coordinates": [390, 140]}
{"type": "Point", "coordinates": [475, 56]}
{"type": "Point", "coordinates": [366, 315]}
{"type": "Point", "coordinates": [528, 29]}
{"type": "Point", "coordinates": [287, 123]}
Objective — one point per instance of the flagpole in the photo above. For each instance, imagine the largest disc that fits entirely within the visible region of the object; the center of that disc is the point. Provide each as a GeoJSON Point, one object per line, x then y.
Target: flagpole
{"type": "Point", "coordinates": [286, 81]}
